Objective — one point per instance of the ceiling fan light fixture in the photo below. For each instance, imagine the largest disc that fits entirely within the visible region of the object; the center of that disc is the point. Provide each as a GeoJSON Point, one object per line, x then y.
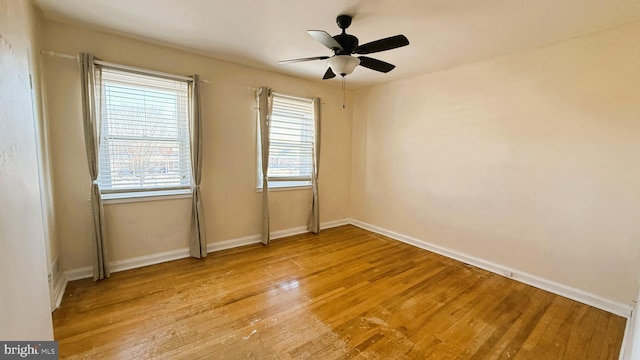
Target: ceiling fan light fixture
{"type": "Point", "coordinates": [343, 65]}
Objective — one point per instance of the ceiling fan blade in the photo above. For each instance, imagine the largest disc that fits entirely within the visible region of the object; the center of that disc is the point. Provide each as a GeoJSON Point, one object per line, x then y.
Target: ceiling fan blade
{"type": "Point", "coordinates": [382, 45]}
{"type": "Point", "coordinates": [329, 74]}
{"type": "Point", "coordinates": [303, 59]}
{"type": "Point", "coordinates": [375, 64]}
{"type": "Point", "coordinates": [325, 39]}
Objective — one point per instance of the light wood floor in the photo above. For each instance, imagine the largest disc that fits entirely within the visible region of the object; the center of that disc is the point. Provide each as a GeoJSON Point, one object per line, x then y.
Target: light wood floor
{"type": "Point", "coordinates": [345, 293]}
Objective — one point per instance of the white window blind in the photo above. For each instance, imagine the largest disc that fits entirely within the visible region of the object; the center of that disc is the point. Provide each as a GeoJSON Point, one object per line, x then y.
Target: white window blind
{"type": "Point", "coordinates": [291, 142]}
{"type": "Point", "coordinates": [145, 133]}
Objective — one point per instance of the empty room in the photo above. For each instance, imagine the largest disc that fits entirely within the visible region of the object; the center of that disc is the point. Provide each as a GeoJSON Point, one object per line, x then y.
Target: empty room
{"type": "Point", "coordinates": [319, 180]}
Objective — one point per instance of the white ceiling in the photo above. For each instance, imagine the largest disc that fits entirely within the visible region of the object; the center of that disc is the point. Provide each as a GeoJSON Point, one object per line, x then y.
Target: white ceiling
{"type": "Point", "coordinates": [443, 33]}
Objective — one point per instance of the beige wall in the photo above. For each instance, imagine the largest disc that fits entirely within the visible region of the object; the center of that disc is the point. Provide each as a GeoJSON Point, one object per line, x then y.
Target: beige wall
{"type": "Point", "coordinates": [529, 160]}
{"type": "Point", "coordinates": [232, 205]}
{"type": "Point", "coordinates": [24, 298]}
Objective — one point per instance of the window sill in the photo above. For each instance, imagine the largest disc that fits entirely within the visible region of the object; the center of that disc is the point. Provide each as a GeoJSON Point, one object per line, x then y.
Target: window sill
{"type": "Point", "coordinates": [140, 196]}
{"type": "Point", "coordinates": [286, 188]}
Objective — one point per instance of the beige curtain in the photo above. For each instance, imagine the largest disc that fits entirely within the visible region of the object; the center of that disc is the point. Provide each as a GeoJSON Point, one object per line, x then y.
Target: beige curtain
{"type": "Point", "coordinates": [91, 115]}
{"type": "Point", "coordinates": [265, 103]}
{"type": "Point", "coordinates": [198, 242]}
{"type": "Point", "coordinates": [314, 215]}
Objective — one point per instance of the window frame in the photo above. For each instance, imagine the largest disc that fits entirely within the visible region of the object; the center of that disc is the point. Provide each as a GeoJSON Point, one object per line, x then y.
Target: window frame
{"type": "Point", "coordinates": [283, 183]}
{"type": "Point", "coordinates": [111, 195]}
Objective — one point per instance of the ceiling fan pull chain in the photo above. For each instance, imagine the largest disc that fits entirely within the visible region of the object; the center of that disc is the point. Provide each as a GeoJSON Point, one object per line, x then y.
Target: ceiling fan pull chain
{"type": "Point", "coordinates": [344, 78]}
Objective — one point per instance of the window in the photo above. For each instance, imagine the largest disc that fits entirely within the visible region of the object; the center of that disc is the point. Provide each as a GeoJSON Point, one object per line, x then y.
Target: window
{"type": "Point", "coordinates": [145, 133]}
{"type": "Point", "coordinates": [291, 142]}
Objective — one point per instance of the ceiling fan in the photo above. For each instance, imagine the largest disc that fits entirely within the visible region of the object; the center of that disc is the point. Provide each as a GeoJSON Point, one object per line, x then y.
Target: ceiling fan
{"type": "Point", "coordinates": [344, 45]}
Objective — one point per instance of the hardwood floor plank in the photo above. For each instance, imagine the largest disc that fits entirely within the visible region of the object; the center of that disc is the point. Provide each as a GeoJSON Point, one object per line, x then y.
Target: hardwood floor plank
{"type": "Point", "coordinates": [345, 293]}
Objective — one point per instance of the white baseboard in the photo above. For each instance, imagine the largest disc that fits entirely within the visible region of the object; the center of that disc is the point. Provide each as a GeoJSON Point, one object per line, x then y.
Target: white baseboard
{"type": "Point", "coordinates": [255, 239]}
{"type": "Point", "coordinates": [544, 284]}
{"type": "Point", "coordinates": [121, 265]}
{"type": "Point", "coordinates": [335, 223]}
{"type": "Point", "coordinates": [79, 273]}
{"type": "Point", "coordinates": [630, 349]}
{"type": "Point", "coordinates": [60, 284]}
{"type": "Point", "coordinates": [233, 243]}
{"type": "Point", "coordinates": [132, 263]}
{"type": "Point", "coordinates": [303, 229]}
{"type": "Point", "coordinates": [627, 338]}
{"type": "Point", "coordinates": [127, 264]}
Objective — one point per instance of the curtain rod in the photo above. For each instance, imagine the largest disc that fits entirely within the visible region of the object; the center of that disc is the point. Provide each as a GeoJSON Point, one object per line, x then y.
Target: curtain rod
{"type": "Point", "coordinates": [123, 67]}
{"type": "Point", "coordinates": [64, 56]}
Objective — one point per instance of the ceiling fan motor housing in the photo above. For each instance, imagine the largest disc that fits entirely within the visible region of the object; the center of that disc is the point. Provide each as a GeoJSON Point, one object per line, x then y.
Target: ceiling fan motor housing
{"type": "Point", "coordinates": [349, 44]}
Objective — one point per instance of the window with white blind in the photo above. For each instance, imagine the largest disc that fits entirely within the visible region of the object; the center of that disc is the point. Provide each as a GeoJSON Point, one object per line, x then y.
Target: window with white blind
{"type": "Point", "coordinates": [291, 142]}
{"type": "Point", "coordinates": [145, 133]}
